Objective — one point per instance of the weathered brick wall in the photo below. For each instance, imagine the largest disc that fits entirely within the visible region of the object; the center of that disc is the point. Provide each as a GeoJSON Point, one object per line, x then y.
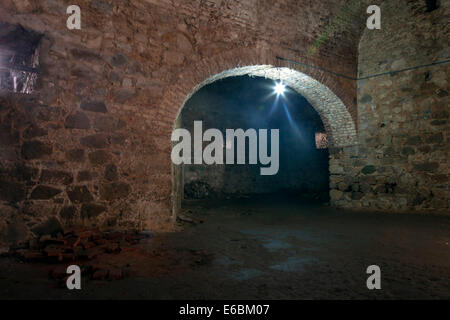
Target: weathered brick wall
{"type": "Point", "coordinates": [91, 146]}
{"type": "Point", "coordinates": [403, 158]}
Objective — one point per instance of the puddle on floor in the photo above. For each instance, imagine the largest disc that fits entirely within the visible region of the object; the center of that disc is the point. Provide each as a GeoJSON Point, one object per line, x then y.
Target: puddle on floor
{"type": "Point", "coordinates": [246, 274]}
{"type": "Point", "coordinates": [274, 244]}
{"type": "Point", "coordinates": [293, 264]}
{"type": "Point", "coordinates": [301, 235]}
{"type": "Point", "coordinates": [225, 261]}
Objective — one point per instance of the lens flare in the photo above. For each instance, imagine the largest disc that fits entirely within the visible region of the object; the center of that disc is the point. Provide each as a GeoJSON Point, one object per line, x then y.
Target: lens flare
{"type": "Point", "coordinates": [280, 88]}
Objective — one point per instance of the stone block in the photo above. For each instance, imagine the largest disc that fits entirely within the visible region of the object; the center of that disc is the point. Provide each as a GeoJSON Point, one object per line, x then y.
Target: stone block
{"type": "Point", "coordinates": [96, 141]}
{"type": "Point", "coordinates": [34, 131]}
{"type": "Point", "coordinates": [435, 138]}
{"type": "Point", "coordinates": [91, 210]}
{"type": "Point", "coordinates": [111, 172]}
{"type": "Point", "coordinates": [79, 194]}
{"type": "Point", "coordinates": [118, 60]}
{"type": "Point", "coordinates": [114, 191]}
{"type": "Point", "coordinates": [68, 212]}
{"type": "Point", "coordinates": [44, 192]}
{"type": "Point", "coordinates": [94, 106]}
{"type": "Point", "coordinates": [426, 166]}
{"type": "Point", "coordinates": [368, 169]}
{"type": "Point", "coordinates": [99, 157]}
{"type": "Point", "coordinates": [84, 176]}
{"type": "Point", "coordinates": [56, 177]}
{"type": "Point", "coordinates": [87, 55]}
{"type": "Point", "coordinates": [36, 150]}
{"type": "Point", "coordinates": [51, 226]}
{"type": "Point", "coordinates": [336, 195]}
{"type": "Point", "coordinates": [77, 121]}
{"type": "Point", "coordinates": [123, 95]}
{"type": "Point", "coordinates": [75, 155]}
{"type": "Point", "coordinates": [12, 191]}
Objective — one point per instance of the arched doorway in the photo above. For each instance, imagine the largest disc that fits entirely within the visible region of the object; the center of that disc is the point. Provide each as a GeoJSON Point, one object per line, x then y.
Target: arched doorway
{"type": "Point", "coordinates": [337, 121]}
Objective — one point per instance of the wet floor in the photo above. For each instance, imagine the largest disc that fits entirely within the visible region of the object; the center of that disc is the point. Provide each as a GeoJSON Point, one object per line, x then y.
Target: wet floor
{"type": "Point", "coordinates": [270, 248]}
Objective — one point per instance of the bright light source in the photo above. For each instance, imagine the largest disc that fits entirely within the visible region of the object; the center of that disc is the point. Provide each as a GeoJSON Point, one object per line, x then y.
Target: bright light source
{"type": "Point", "coordinates": [280, 88]}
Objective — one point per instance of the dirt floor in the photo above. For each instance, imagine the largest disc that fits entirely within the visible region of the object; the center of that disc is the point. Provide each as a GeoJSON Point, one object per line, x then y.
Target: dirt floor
{"type": "Point", "coordinates": [264, 248]}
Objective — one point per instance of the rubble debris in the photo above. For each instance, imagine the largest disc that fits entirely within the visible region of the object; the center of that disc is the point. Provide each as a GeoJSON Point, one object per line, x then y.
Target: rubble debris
{"type": "Point", "coordinates": [58, 273]}
{"type": "Point", "coordinates": [4, 251]}
{"type": "Point", "coordinates": [114, 274]}
{"type": "Point", "coordinates": [78, 247]}
{"type": "Point", "coordinates": [198, 190]}
{"type": "Point", "coordinates": [185, 219]}
{"type": "Point", "coordinates": [202, 257]}
{"type": "Point", "coordinates": [101, 274]}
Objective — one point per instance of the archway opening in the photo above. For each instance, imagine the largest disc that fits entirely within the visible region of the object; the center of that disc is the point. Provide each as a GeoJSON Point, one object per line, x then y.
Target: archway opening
{"type": "Point", "coordinates": [255, 103]}
{"type": "Point", "coordinates": [323, 121]}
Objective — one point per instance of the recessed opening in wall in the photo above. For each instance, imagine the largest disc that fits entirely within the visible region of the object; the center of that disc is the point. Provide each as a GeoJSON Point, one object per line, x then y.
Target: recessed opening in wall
{"type": "Point", "coordinates": [321, 140]}
{"type": "Point", "coordinates": [254, 103]}
{"type": "Point", "coordinates": [432, 5]}
{"type": "Point", "coordinates": [19, 58]}
{"type": "Point", "coordinates": [250, 103]}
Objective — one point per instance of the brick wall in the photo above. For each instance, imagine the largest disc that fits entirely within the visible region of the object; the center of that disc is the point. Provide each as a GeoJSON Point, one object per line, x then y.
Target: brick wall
{"type": "Point", "coordinates": [91, 145]}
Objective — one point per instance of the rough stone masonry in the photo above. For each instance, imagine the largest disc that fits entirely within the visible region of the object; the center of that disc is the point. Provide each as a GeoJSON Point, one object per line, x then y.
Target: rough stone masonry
{"type": "Point", "coordinates": [91, 145]}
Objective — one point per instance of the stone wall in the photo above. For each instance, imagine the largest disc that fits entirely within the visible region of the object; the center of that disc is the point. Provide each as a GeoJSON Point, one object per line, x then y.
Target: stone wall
{"type": "Point", "coordinates": [402, 162]}
{"type": "Point", "coordinates": [91, 145]}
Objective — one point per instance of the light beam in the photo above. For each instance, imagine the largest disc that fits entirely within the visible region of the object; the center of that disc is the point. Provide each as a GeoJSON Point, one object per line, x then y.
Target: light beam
{"type": "Point", "coordinates": [280, 88]}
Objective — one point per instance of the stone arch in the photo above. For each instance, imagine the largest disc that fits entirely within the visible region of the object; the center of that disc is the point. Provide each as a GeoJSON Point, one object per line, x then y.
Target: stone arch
{"type": "Point", "coordinates": [337, 119]}
{"type": "Point", "coordinates": [338, 122]}
{"type": "Point", "coordinates": [193, 77]}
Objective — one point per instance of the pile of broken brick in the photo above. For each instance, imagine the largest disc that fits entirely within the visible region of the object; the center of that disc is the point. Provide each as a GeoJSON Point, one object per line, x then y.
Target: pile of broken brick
{"type": "Point", "coordinates": [80, 248]}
